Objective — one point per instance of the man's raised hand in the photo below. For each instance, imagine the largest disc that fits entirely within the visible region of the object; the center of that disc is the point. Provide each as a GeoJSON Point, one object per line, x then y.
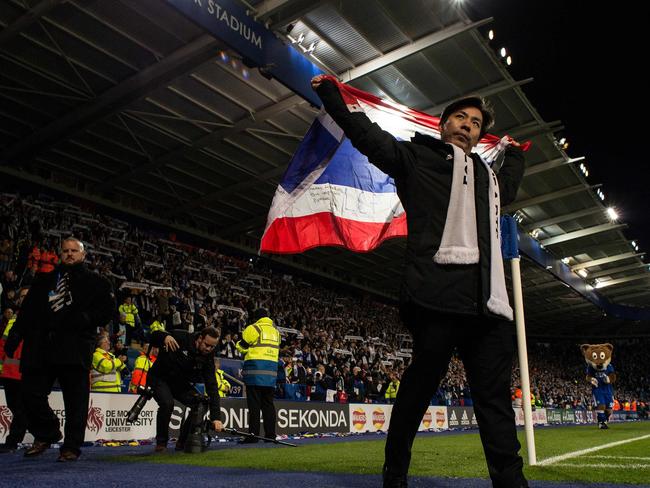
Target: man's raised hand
{"type": "Point", "coordinates": [170, 344]}
{"type": "Point", "coordinates": [316, 81]}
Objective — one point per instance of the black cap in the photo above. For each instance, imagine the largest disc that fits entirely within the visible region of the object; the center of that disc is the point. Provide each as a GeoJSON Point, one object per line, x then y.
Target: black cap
{"type": "Point", "coordinates": [259, 313]}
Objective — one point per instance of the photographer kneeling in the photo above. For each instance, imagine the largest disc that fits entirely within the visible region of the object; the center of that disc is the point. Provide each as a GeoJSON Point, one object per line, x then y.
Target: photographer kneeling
{"type": "Point", "coordinates": [185, 358]}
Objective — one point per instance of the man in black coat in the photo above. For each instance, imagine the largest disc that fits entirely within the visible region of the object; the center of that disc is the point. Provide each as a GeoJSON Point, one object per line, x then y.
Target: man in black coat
{"type": "Point", "coordinates": [445, 305]}
{"type": "Point", "coordinates": [58, 322]}
{"type": "Point", "coordinates": [185, 358]}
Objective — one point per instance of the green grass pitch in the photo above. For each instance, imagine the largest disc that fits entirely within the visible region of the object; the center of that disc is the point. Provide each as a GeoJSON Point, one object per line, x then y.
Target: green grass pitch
{"type": "Point", "coordinates": [458, 456]}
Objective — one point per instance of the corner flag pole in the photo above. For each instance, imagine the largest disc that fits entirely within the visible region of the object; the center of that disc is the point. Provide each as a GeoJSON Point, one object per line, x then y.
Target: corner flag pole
{"type": "Point", "coordinates": [510, 250]}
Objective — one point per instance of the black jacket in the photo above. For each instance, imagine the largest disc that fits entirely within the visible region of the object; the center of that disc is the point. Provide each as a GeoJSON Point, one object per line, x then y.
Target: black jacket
{"type": "Point", "coordinates": [184, 366]}
{"type": "Point", "coordinates": [67, 337]}
{"type": "Point", "coordinates": [422, 170]}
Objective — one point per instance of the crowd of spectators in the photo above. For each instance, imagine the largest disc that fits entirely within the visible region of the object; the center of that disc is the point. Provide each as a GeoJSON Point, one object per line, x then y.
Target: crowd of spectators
{"type": "Point", "coordinates": [352, 345]}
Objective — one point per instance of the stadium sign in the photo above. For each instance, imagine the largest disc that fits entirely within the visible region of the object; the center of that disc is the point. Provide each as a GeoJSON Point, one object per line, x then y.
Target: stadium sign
{"type": "Point", "coordinates": [106, 417]}
{"type": "Point", "coordinates": [435, 418]}
{"type": "Point", "coordinates": [231, 23]}
{"type": "Point", "coordinates": [554, 415]}
{"type": "Point", "coordinates": [366, 417]}
{"type": "Point", "coordinates": [292, 417]}
{"type": "Point", "coordinates": [539, 416]}
{"type": "Point", "coordinates": [461, 418]}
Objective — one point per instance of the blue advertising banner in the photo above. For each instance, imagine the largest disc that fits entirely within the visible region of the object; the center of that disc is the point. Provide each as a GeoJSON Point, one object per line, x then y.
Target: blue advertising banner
{"type": "Point", "coordinates": [227, 21]}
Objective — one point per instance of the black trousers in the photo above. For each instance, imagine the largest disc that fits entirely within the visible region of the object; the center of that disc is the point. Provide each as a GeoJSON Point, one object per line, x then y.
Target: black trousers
{"type": "Point", "coordinates": [132, 333]}
{"type": "Point", "coordinates": [164, 393]}
{"type": "Point", "coordinates": [486, 347]}
{"type": "Point", "coordinates": [41, 420]}
{"type": "Point", "coordinates": [13, 395]}
{"type": "Point", "coordinates": [261, 398]}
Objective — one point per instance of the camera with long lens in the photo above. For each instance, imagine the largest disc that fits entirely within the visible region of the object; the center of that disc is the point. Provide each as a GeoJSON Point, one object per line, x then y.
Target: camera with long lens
{"type": "Point", "coordinates": [146, 394]}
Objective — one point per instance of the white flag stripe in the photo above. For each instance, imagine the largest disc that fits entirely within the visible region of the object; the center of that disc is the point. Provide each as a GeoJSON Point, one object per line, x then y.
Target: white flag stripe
{"type": "Point", "coordinates": [346, 202]}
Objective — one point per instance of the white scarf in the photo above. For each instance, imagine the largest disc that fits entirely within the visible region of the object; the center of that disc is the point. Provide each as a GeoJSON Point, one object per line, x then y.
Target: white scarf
{"type": "Point", "coordinates": [459, 244]}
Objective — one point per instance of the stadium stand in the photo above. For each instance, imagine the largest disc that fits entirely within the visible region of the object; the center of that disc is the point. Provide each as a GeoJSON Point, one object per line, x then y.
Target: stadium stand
{"type": "Point", "coordinates": [332, 340]}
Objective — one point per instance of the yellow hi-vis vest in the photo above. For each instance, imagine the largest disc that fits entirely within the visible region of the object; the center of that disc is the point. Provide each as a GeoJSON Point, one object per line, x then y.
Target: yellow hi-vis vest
{"type": "Point", "coordinates": [223, 385]}
{"type": "Point", "coordinates": [128, 313]}
{"type": "Point", "coordinates": [260, 345]}
{"type": "Point", "coordinates": [105, 375]}
{"type": "Point", "coordinates": [391, 391]}
{"type": "Point", "coordinates": [157, 325]}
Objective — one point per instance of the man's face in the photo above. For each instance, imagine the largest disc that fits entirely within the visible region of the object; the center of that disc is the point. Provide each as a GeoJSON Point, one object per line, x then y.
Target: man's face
{"type": "Point", "coordinates": [463, 128]}
{"type": "Point", "coordinates": [21, 296]}
{"type": "Point", "coordinates": [8, 313]}
{"type": "Point", "coordinates": [206, 344]}
{"type": "Point", "coordinates": [72, 253]}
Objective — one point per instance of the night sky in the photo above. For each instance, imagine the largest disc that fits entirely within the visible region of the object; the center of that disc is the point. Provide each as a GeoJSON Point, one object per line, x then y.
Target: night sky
{"type": "Point", "coordinates": [590, 70]}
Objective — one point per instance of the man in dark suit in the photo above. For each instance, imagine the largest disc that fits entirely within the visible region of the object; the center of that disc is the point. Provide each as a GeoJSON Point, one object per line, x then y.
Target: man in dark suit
{"type": "Point", "coordinates": [58, 323]}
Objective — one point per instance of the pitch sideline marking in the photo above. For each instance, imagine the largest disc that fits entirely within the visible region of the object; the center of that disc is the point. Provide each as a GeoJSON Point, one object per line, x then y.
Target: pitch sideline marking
{"type": "Point", "coordinates": [569, 455]}
{"type": "Point", "coordinates": [638, 458]}
{"type": "Point", "coordinates": [603, 466]}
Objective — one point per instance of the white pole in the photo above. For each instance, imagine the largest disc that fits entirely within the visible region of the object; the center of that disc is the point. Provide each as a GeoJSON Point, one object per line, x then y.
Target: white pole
{"type": "Point", "coordinates": [523, 361]}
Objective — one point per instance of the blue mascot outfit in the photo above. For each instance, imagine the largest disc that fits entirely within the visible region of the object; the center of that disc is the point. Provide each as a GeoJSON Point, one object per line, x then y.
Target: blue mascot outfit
{"type": "Point", "coordinates": [600, 374]}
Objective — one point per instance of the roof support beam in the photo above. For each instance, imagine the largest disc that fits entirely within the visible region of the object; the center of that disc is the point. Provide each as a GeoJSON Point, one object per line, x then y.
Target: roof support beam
{"type": "Point", "coordinates": [180, 61]}
{"type": "Point", "coordinates": [620, 269]}
{"type": "Point", "coordinates": [609, 259]}
{"type": "Point", "coordinates": [628, 296]}
{"type": "Point", "coordinates": [547, 197]}
{"type": "Point", "coordinates": [585, 304]}
{"type": "Point", "coordinates": [554, 163]}
{"type": "Point", "coordinates": [405, 51]}
{"type": "Point", "coordinates": [27, 19]}
{"type": "Point", "coordinates": [243, 227]}
{"type": "Point", "coordinates": [564, 218]}
{"type": "Point", "coordinates": [287, 12]}
{"type": "Point", "coordinates": [627, 279]}
{"type": "Point", "coordinates": [217, 136]}
{"type": "Point", "coordinates": [484, 92]}
{"type": "Point", "coordinates": [534, 129]}
{"type": "Point", "coordinates": [220, 195]}
{"type": "Point", "coordinates": [266, 8]}
{"type": "Point", "coordinates": [544, 286]}
{"type": "Point", "coordinates": [622, 290]}
{"type": "Point", "coordinates": [569, 236]}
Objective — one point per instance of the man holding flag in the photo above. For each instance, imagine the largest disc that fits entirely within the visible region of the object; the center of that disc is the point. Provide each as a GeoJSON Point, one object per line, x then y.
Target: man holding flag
{"type": "Point", "coordinates": [453, 293]}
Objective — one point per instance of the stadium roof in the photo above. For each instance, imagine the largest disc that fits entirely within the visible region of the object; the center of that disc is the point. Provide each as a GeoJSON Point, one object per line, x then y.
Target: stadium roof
{"type": "Point", "coordinates": [132, 105]}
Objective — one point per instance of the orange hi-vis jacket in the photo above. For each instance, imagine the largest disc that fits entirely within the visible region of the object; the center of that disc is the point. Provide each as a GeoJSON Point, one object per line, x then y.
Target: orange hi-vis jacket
{"type": "Point", "coordinates": [48, 261]}
{"type": "Point", "coordinates": [140, 369]}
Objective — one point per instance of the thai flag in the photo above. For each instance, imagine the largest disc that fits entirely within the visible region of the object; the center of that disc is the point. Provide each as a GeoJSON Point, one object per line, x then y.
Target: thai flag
{"type": "Point", "coordinates": [331, 195]}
